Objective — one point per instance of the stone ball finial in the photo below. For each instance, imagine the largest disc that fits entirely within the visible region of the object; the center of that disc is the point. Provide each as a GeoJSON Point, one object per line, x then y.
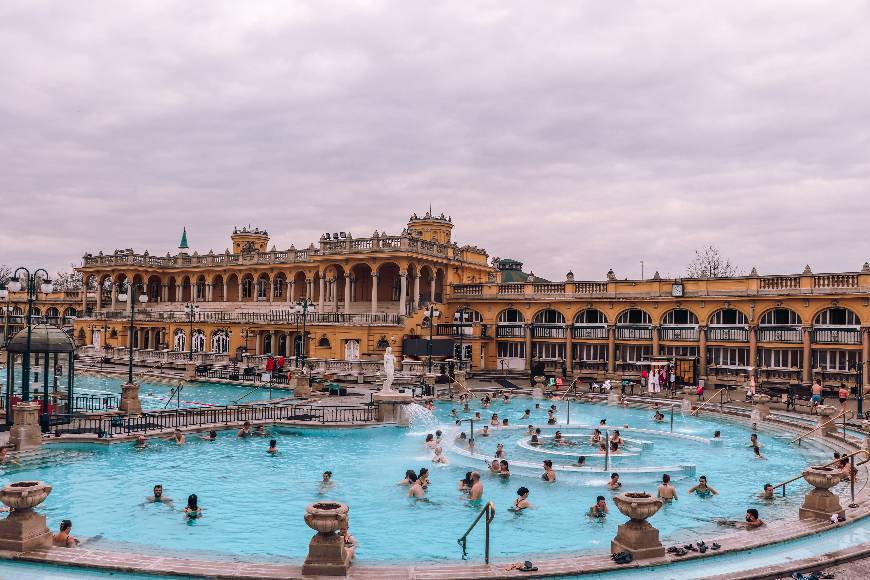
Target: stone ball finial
{"type": "Point", "coordinates": [807, 270]}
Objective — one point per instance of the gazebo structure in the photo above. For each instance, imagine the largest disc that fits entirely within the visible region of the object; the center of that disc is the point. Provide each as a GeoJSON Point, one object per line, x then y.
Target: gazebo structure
{"type": "Point", "coordinates": [47, 348]}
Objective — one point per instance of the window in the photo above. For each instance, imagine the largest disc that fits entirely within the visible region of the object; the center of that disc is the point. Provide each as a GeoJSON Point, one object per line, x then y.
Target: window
{"type": "Point", "coordinates": [220, 342]}
{"type": "Point", "coordinates": [324, 342]}
{"type": "Point", "coordinates": [635, 352]}
{"type": "Point", "coordinates": [549, 317]}
{"type": "Point", "coordinates": [511, 350]}
{"type": "Point", "coordinates": [179, 343]}
{"type": "Point", "coordinates": [467, 316]}
{"type": "Point", "coordinates": [780, 317]}
{"type": "Point", "coordinates": [383, 343]}
{"type": "Point", "coordinates": [548, 350]}
{"type": "Point", "coordinates": [634, 316]}
{"type": "Point", "coordinates": [198, 341]}
{"type": "Point", "coordinates": [247, 288]}
{"type": "Point", "coordinates": [837, 317]}
{"type": "Point", "coordinates": [510, 316]}
{"type": "Point", "coordinates": [200, 289]}
{"type": "Point", "coordinates": [590, 352]}
{"type": "Point", "coordinates": [466, 351]}
{"type": "Point", "coordinates": [262, 288]}
{"type": "Point", "coordinates": [278, 290]}
{"type": "Point", "coordinates": [729, 317]}
{"type": "Point", "coordinates": [781, 358]}
{"type": "Point", "coordinates": [590, 316]}
{"type": "Point", "coordinates": [728, 357]}
{"type": "Point", "coordinates": [680, 316]}
{"type": "Point", "coordinates": [836, 360]}
{"type": "Point", "coordinates": [679, 351]}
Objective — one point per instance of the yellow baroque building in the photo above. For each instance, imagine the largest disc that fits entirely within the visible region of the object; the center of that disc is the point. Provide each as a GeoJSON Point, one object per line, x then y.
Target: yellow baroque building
{"type": "Point", "coordinates": [365, 294]}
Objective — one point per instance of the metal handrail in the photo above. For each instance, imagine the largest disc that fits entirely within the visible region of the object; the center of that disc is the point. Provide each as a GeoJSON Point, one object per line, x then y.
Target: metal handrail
{"type": "Point", "coordinates": [842, 457]}
{"type": "Point", "coordinates": [704, 404]}
{"type": "Point", "coordinates": [825, 424]}
{"type": "Point", "coordinates": [489, 511]}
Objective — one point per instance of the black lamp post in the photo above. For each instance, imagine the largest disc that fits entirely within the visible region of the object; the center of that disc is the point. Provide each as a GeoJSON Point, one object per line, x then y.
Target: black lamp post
{"type": "Point", "coordinates": [432, 314]}
{"type": "Point", "coordinates": [462, 310]}
{"type": "Point", "coordinates": [302, 307]}
{"type": "Point", "coordinates": [191, 311]}
{"type": "Point", "coordinates": [859, 383]}
{"type": "Point", "coordinates": [131, 296]}
{"type": "Point", "coordinates": [15, 286]}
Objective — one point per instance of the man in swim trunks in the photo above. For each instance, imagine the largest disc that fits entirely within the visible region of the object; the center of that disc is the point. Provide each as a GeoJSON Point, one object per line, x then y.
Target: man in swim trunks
{"type": "Point", "coordinates": [816, 399]}
{"type": "Point", "coordinates": [476, 487]}
{"type": "Point", "coordinates": [599, 510]}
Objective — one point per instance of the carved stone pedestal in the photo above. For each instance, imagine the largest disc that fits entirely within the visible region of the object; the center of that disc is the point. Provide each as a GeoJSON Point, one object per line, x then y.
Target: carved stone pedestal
{"type": "Point", "coordinates": [637, 536]}
{"type": "Point", "coordinates": [23, 529]}
{"type": "Point", "coordinates": [821, 503]}
{"type": "Point", "coordinates": [190, 371]}
{"type": "Point", "coordinates": [327, 555]}
{"type": "Point", "coordinates": [391, 407]}
{"type": "Point", "coordinates": [825, 414]}
{"type": "Point", "coordinates": [762, 406]}
{"type": "Point", "coordinates": [538, 389]}
{"type": "Point", "coordinates": [130, 403]}
{"type": "Point", "coordinates": [25, 433]}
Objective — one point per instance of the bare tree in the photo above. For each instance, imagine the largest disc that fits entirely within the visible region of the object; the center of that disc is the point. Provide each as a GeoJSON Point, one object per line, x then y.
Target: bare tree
{"type": "Point", "coordinates": [5, 273]}
{"type": "Point", "coordinates": [70, 281]}
{"type": "Point", "coordinates": [710, 263]}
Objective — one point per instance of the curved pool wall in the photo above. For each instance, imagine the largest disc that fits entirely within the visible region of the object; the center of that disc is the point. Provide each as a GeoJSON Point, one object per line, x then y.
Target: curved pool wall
{"type": "Point", "coordinates": [244, 491]}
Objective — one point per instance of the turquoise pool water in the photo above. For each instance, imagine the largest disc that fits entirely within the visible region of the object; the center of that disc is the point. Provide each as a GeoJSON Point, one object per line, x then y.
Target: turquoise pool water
{"type": "Point", "coordinates": [155, 396]}
{"type": "Point", "coordinates": [253, 503]}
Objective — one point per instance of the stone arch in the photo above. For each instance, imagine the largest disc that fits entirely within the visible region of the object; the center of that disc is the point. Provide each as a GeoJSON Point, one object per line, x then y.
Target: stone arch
{"type": "Point", "coordinates": [836, 316]}
{"type": "Point", "coordinates": [263, 287]}
{"type": "Point", "coordinates": [248, 288]}
{"type": "Point", "coordinates": [589, 316]}
{"type": "Point", "coordinates": [71, 312]}
{"type": "Point", "coordinates": [388, 282]}
{"type": "Point", "coordinates": [52, 314]}
{"type": "Point", "coordinates": [153, 288]}
{"type": "Point", "coordinates": [200, 291]}
{"type": "Point", "coordinates": [679, 317]}
{"type": "Point", "coordinates": [232, 284]}
{"type": "Point", "coordinates": [267, 343]}
{"type": "Point", "coordinates": [300, 282]}
{"type": "Point", "coordinates": [780, 316]}
{"type": "Point", "coordinates": [728, 316]}
{"type": "Point", "coordinates": [467, 316]}
{"type": "Point", "coordinates": [279, 287]}
{"type": "Point", "coordinates": [197, 340]}
{"type": "Point", "coordinates": [179, 340]}
{"type": "Point", "coordinates": [361, 289]}
{"type": "Point", "coordinates": [186, 289]}
{"type": "Point", "coordinates": [548, 316]}
{"type": "Point", "coordinates": [172, 289]}
{"type": "Point", "coordinates": [217, 288]}
{"type": "Point", "coordinates": [634, 317]}
{"type": "Point", "coordinates": [510, 316]}
{"type": "Point", "coordinates": [220, 342]}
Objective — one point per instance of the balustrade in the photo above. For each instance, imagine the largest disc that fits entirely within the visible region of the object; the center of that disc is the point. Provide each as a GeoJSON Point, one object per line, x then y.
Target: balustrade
{"type": "Point", "coordinates": [721, 334]}
{"type": "Point", "coordinates": [783, 334]}
{"type": "Point", "coordinates": [590, 332]}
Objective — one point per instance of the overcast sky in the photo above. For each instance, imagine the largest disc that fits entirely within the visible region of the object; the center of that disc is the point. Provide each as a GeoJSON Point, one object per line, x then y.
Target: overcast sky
{"type": "Point", "coordinates": [581, 135]}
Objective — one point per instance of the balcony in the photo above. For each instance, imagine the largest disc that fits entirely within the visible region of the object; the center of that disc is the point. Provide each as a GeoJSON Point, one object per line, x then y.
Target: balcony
{"type": "Point", "coordinates": [548, 331]}
{"type": "Point", "coordinates": [510, 331]}
{"type": "Point", "coordinates": [844, 335]}
{"type": "Point", "coordinates": [686, 333]}
{"type": "Point", "coordinates": [468, 290]}
{"type": "Point", "coordinates": [454, 330]}
{"type": "Point", "coordinates": [792, 334]}
{"type": "Point", "coordinates": [633, 332]}
{"type": "Point", "coordinates": [590, 332]}
{"type": "Point", "coordinates": [727, 334]}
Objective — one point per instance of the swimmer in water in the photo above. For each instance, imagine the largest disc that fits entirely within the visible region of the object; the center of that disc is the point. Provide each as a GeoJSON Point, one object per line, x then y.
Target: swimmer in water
{"type": "Point", "coordinates": [418, 488]}
{"type": "Point", "coordinates": [179, 437]}
{"type": "Point", "coordinates": [658, 417]}
{"type": "Point", "coordinates": [702, 489]}
{"type": "Point", "coordinates": [438, 436]}
{"type": "Point", "coordinates": [717, 435]}
{"type": "Point", "coordinates": [439, 457]}
{"type": "Point", "coordinates": [326, 483]}
{"type": "Point", "coordinates": [192, 510]}
{"type": "Point", "coordinates": [767, 493]}
{"type": "Point", "coordinates": [581, 461]}
{"type": "Point", "coordinates": [666, 491]}
{"type": "Point", "coordinates": [62, 538]}
{"type": "Point", "coordinates": [596, 437]}
{"type": "Point", "coordinates": [430, 441]}
{"type": "Point", "coordinates": [757, 452]}
{"type": "Point", "coordinates": [522, 501]}
{"type": "Point", "coordinates": [599, 510]}
{"type": "Point", "coordinates": [477, 416]}
{"type": "Point", "coordinates": [141, 443]}
{"type": "Point", "coordinates": [212, 436]}
{"type": "Point", "coordinates": [531, 430]}
{"type": "Point", "coordinates": [245, 430]}
{"type": "Point", "coordinates": [527, 414]}
{"type": "Point", "coordinates": [410, 477]}
{"type": "Point", "coordinates": [614, 482]}
{"type": "Point", "coordinates": [495, 467]}
{"type": "Point", "coordinates": [753, 441]}
{"type": "Point", "coordinates": [499, 451]}
{"type": "Point", "coordinates": [453, 413]}
{"type": "Point", "coordinates": [602, 448]}
{"type": "Point", "coordinates": [485, 431]}
{"type": "Point", "coordinates": [534, 441]}
{"type": "Point", "coordinates": [504, 422]}
{"type": "Point", "coordinates": [158, 496]}
{"type": "Point", "coordinates": [466, 483]}
{"type": "Point", "coordinates": [504, 468]}
{"type": "Point", "coordinates": [614, 447]}
{"type": "Point", "coordinates": [494, 420]}
{"type": "Point", "coordinates": [476, 487]}
{"type": "Point", "coordinates": [549, 474]}
{"type": "Point", "coordinates": [273, 447]}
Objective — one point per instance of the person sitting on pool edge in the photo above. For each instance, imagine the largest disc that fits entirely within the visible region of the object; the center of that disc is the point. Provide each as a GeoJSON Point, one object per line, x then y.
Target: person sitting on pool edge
{"type": "Point", "coordinates": [522, 501]}
{"type": "Point", "coordinates": [599, 510]}
{"type": "Point", "coordinates": [702, 489]}
{"type": "Point", "coordinates": [666, 491]}
{"type": "Point", "coordinates": [349, 541]}
{"type": "Point", "coordinates": [192, 510]}
{"type": "Point", "coordinates": [614, 482]}
{"type": "Point", "coordinates": [62, 538]}
{"type": "Point", "coordinates": [273, 447]}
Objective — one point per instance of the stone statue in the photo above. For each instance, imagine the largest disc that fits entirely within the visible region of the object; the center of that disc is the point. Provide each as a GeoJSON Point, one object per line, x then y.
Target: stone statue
{"type": "Point", "coordinates": [389, 370]}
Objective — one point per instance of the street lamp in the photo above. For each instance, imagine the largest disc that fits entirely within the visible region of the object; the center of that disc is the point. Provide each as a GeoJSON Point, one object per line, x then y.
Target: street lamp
{"type": "Point", "coordinates": [462, 311]}
{"type": "Point", "coordinates": [433, 314]}
{"type": "Point", "coordinates": [143, 298]}
{"type": "Point", "coordinates": [4, 295]}
{"type": "Point", "coordinates": [191, 310]}
{"type": "Point", "coordinates": [302, 307]}
{"type": "Point", "coordinates": [859, 383]}
{"type": "Point", "coordinates": [15, 286]}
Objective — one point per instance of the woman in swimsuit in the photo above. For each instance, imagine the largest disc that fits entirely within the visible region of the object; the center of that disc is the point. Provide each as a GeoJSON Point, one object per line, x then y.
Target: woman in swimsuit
{"type": "Point", "coordinates": [192, 511]}
{"type": "Point", "coordinates": [522, 501]}
{"type": "Point", "coordinates": [534, 441]}
{"type": "Point", "coordinates": [702, 489]}
{"type": "Point", "coordinates": [410, 478]}
{"type": "Point", "coordinates": [494, 420]}
{"type": "Point", "coordinates": [615, 438]}
{"type": "Point", "coordinates": [596, 437]}
{"type": "Point", "coordinates": [499, 451]}
{"type": "Point", "coordinates": [466, 483]}
{"type": "Point", "coordinates": [504, 469]}
{"type": "Point", "coordinates": [549, 475]}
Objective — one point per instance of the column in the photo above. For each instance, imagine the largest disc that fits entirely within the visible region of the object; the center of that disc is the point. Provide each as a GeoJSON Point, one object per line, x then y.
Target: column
{"type": "Point", "coordinates": [753, 348]}
{"type": "Point", "coordinates": [569, 349]}
{"type": "Point", "coordinates": [84, 295]}
{"type": "Point", "coordinates": [865, 333]}
{"type": "Point", "coordinates": [655, 341]}
{"type": "Point", "coordinates": [208, 292]}
{"type": "Point", "coordinates": [611, 349]}
{"type": "Point", "coordinates": [309, 288]}
{"type": "Point", "coordinates": [432, 287]}
{"type": "Point", "coordinates": [291, 290]}
{"type": "Point", "coordinates": [164, 292]}
{"type": "Point", "coordinates": [258, 345]}
{"type": "Point", "coordinates": [333, 283]}
{"type": "Point", "coordinates": [272, 289]}
{"type": "Point", "coordinates": [114, 295]}
{"type": "Point", "coordinates": [403, 291]}
{"type": "Point", "coordinates": [347, 285]}
{"type": "Point", "coordinates": [416, 296]}
{"type": "Point", "coordinates": [240, 289]}
{"type": "Point", "coordinates": [225, 290]}
{"type": "Point", "coordinates": [807, 376]}
{"type": "Point", "coordinates": [374, 292]}
{"type": "Point", "coordinates": [320, 298]}
{"type": "Point", "coordinates": [99, 305]}
{"type": "Point", "coordinates": [528, 335]}
{"type": "Point", "coordinates": [702, 351]}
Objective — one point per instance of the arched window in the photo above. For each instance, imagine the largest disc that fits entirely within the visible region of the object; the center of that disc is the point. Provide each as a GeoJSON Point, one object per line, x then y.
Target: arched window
{"type": "Point", "coordinates": [680, 317]}
{"type": "Point", "coordinates": [247, 288]}
{"type": "Point", "coordinates": [220, 342]}
{"type": "Point", "coordinates": [549, 317]}
{"type": "Point", "coordinates": [278, 290]}
{"type": "Point", "coordinates": [728, 317]}
{"type": "Point", "coordinates": [780, 317]}
{"type": "Point", "coordinates": [510, 316]}
{"type": "Point", "coordinates": [70, 312]}
{"type": "Point", "coordinates": [200, 288]}
{"type": "Point", "coordinates": [179, 342]}
{"type": "Point", "coordinates": [837, 317]}
{"type": "Point", "coordinates": [548, 324]}
{"type": "Point", "coordinates": [198, 340]}
{"type": "Point", "coordinates": [590, 316]}
{"type": "Point", "coordinates": [634, 316]}
{"type": "Point", "coordinates": [509, 324]}
{"type": "Point", "coordinates": [467, 316]}
{"type": "Point", "coordinates": [267, 344]}
{"type": "Point", "coordinates": [35, 312]}
{"type": "Point", "coordinates": [383, 343]}
{"type": "Point", "coordinates": [262, 288]}
{"type": "Point", "coordinates": [323, 342]}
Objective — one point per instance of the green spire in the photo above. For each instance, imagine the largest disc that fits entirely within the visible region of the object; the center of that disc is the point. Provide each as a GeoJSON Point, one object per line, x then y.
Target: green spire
{"type": "Point", "coordinates": [183, 245]}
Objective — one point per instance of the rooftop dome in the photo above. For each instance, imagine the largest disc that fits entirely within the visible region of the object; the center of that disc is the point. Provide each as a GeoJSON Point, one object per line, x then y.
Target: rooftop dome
{"type": "Point", "coordinates": [43, 338]}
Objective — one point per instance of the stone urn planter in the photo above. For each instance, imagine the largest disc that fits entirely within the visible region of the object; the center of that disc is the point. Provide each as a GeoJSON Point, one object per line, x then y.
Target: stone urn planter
{"type": "Point", "coordinates": [762, 405]}
{"type": "Point", "coordinates": [24, 495]}
{"type": "Point", "coordinates": [826, 412]}
{"type": "Point", "coordinates": [24, 529]}
{"type": "Point", "coordinates": [637, 536]}
{"type": "Point", "coordinates": [538, 389]}
{"type": "Point", "coordinates": [327, 555]}
{"type": "Point", "coordinates": [821, 503]}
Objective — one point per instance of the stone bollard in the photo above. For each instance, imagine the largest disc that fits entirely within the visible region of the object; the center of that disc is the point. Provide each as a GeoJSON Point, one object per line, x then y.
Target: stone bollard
{"type": "Point", "coordinates": [637, 536]}
{"type": "Point", "coordinates": [301, 384]}
{"type": "Point", "coordinates": [23, 529]}
{"type": "Point", "coordinates": [130, 403]}
{"type": "Point", "coordinates": [327, 555]}
{"type": "Point", "coordinates": [826, 412]}
{"type": "Point", "coordinates": [25, 433]}
{"type": "Point", "coordinates": [392, 407]}
{"type": "Point", "coordinates": [762, 405]}
{"type": "Point", "coordinates": [821, 503]}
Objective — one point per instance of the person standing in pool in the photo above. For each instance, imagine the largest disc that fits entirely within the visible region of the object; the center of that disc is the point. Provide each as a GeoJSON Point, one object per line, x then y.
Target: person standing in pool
{"type": "Point", "coordinates": [192, 510]}
{"type": "Point", "coordinates": [326, 482]}
{"type": "Point", "coordinates": [527, 414]}
{"type": "Point", "coordinates": [767, 493]}
{"type": "Point", "coordinates": [410, 478]}
{"type": "Point", "coordinates": [261, 431]}
{"type": "Point", "coordinates": [439, 457]}
{"type": "Point", "coordinates": [757, 452]}
{"type": "Point", "coordinates": [418, 488]}
{"type": "Point", "coordinates": [522, 501]}
{"type": "Point", "coordinates": [494, 420]}
{"type": "Point", "coordinates": [465, 483]}
{"type": "Point", "coordinates": [141, 442]}
{"type": "Point", "coordinates": [581, 461]}
{"type": "Point", "coordinates": [212, 436]}
{"type": "Point", "coordinates": [549, 474]}
{"type": "Point", "coordinates": [245, 430]}
{"type": "Point", "coordinates": [62, 538]}
{"type": "Point", "coordinates": [599, 510]}
{"type": "Point", "coordinates": [702, 489]}
{"type": "Point", "coordinates": [753, 441]}
{"type": "Point", "coordinates": [596, 437]}
{"type": "Point", "coordinates": [666, 491]}
{"type": "Point", "coordinates": [179, 437]}
{"type": "Point", "coordinates": [504, 468]}
{"type": "Point", "coordinates": [158, 496]}
{"type": "Point", "coordinates": [476, 492]}
{"type": "Point", "coordinates": [273, 447]}
{"type": "Point", "coordinates": [614, 482]}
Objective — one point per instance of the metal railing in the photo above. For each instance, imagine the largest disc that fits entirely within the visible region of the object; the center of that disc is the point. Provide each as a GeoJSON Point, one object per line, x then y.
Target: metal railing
{"type": "Point", "coordinates": [488, 511]}
{"type": "Point", "coordinates": [720, 393]}
{"type": "Point", "coordinates": [850, 457]}
{"type": "Point", "coordinates": [825, 424]}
